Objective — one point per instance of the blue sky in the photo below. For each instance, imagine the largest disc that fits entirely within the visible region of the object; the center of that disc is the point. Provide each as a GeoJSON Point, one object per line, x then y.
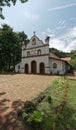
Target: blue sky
{"type": "Point", "coordinates": [54, 18]}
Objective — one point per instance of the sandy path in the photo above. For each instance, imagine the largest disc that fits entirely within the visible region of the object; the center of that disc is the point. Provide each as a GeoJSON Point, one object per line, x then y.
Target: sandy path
{"type": "Point", "coordinates": [14, 90]}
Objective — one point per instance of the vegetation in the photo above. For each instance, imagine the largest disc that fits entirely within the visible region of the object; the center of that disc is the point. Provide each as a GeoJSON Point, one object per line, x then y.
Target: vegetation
{"type": "Point", "coordinates": [59, 53]}
{"type": "Point", "coordinates": [8, 3]}
{"type": "Point", "coordinates": [56, 111]}
{"type": "Point", "coordinates": [71, 54]}
{"type": "Point", "coordinates": [10, 48]}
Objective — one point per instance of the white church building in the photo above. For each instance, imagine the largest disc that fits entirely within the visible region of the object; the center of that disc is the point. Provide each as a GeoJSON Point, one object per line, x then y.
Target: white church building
{"type": "Point", "coordinates": [38, 59]}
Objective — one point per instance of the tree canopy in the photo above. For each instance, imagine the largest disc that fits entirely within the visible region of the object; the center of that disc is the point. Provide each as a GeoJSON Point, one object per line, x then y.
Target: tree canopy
{"type": "Point", "coordinates": [23, 37]}
{"type": "Point", "coordinates": [4, 3]}
{"type": "Point", "coordinates": [10, 48]}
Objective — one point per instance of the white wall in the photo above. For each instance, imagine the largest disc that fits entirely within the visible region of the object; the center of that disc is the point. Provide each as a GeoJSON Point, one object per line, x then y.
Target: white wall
{"type": "Point", "coordinates": [41, 59]}
{"type": "Point", "coordinates": [44, 50]}
{"type": "Point", "coordinates": [33, 49]}
{"type": "Point", "coordinates": [16, 67]}
{"type": "Point", "coordinates": [59, 66]}
{"type": "Point", "coordinates": [38, 42]}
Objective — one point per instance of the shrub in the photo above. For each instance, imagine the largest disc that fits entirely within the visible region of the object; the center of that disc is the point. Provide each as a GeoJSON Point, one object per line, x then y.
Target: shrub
{"type": "Point", "coordinates": [35, 120]}
{"type": "Point", "coordinates": [49, 99]}
{"type": "Point", "coordinates": [40, 98]}
{"type": "Point", "coordinates": [29, 107]}
{"type": "Point", "coordinates": [19, 113]}
{"type": "Point", "coordinates": [24, 115]}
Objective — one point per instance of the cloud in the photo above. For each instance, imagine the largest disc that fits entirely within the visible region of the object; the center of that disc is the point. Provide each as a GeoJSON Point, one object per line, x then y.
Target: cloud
{"type": "Point", "coordinates": [56, 30]}
{"type": "Point", "coordinates": [73, 19]}
{"type": "Point", "coordinates": [66, 43]}
{"type": "Point", "coordinates": [56, 43]}
{"type": "Point", "coordinates": [62, 7]}
{"type": "Point", "coordinates": [72, 33]}
{"type": "Point", "coordinates": [31, 16]}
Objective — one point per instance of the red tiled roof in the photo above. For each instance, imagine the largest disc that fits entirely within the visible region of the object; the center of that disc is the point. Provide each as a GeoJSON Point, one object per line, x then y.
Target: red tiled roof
{"type": "Point", "coordinates": [67, 59]}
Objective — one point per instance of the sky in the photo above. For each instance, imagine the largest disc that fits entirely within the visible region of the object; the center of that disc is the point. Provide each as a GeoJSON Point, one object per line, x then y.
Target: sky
{"type": "Point", "coordinates": [54, 18]}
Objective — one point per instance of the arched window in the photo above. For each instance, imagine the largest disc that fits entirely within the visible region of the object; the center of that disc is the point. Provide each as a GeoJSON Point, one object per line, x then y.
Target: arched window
{"type": "Point", "coordinates": [54, 65]}
{"type": "Point", "coordinates": [33, 41]}
{"type": "Point", "coordinates": [39, 52]}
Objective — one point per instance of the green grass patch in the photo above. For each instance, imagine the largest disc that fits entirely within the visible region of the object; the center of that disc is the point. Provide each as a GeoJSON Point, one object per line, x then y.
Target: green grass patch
{"type": "Point", "coordinates": [71, 98]}
{"type": "Point", "coordinates": [67, 119]}
{"type": "Point", "coordinates": [48, 103]}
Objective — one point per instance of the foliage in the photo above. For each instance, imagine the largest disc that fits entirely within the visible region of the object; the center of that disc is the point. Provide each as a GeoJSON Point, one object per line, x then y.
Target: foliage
{"type": "Point", "coordinates": [24, 115]}
{"type": "Point", "coordinates": [59, 53]}
{"type": "Point", "coordinates": [40, 98]}
{"type": "Point", "coordinates": [23, 38]}
{"type": "Point", "coordinates": [35, 120]}
{"type": "Point", "coordinates": [10, 48]}
{"type": "Point", "coordinates": [45, 114]}
{"type": "Point", "coordinates": [67, 118]}
{"type": "Point", "coordinates": [30, 115]}
{"type": "Point", "coordinates": [29, 106]}
{"type": "Point", "coordinates": [73, 61]}
{"type": "Point", "coordinates": [8, 3]}
{"type": "Point", "coordinates": [36, 116]}
{"type": "Point", "coordinates": [49, 99]}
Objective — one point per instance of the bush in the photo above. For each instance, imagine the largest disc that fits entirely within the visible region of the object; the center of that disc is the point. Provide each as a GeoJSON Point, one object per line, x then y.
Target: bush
{"type": "Point", "coordinates": [29, 107]}
{"type": "Point", "coordinates": [40, 98]}
{"type": "Point", "coordinates": [35, 120]}
{"type": "Point", "coordinates": [24, 115]}
{"type": "Point", "coordinates": [49, 99]}
{"type": "Point", "coordinates": [19, 113]}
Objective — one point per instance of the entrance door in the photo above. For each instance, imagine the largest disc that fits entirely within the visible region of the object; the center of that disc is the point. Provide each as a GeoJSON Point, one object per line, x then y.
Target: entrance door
{"type": "Point", "coordinates": [33, 67]}
{"type": "Point", "coordinates": [26, 68]}
{"type": "Point", "coordinates": [42, 68]}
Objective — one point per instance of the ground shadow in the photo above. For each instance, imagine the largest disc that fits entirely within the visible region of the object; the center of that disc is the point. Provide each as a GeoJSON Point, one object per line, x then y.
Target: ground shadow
{"type": "Point", "coordinates": [9, 120]}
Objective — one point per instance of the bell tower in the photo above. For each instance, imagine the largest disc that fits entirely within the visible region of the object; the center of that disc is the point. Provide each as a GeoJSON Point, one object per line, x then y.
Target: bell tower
{"type": "Point", "coordinates": [47, 40]}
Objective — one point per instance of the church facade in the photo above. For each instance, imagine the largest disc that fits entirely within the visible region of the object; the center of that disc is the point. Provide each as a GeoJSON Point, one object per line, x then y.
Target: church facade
{"type": "Point", "coordinates": [37, 59]}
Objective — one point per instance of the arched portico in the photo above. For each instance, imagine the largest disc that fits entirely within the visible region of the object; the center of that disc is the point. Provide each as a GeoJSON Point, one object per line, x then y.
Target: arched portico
{"type": "Point", "coordinates": [33, 67]}
{"type": "Point", "coordinates": [26, 68]}
{"type": "Point", "coordinates": [42, 68]}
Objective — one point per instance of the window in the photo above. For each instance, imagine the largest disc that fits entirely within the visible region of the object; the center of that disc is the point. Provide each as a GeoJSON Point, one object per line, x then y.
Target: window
{"type": "Point", "coordinates": [28, 53]}
{"type": "Point", "coordinates": [39, 52]}
{"type": "Point", "coordinates": [54, 65]}
{"type": "Point", "coordinates": [33, 41]}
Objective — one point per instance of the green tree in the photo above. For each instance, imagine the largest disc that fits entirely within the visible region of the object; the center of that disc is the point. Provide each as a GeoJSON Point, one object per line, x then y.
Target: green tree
{"type": "Point", "coordinates": [73, 56]}
{"type": "Point", "coordinates": [23, 38]}
{"type": "Point", "coordinates": [10, 47]}
{"type": "Point", "coordinates": [59, 53]}
{"type": "Point", "coordinates": [4, 3]}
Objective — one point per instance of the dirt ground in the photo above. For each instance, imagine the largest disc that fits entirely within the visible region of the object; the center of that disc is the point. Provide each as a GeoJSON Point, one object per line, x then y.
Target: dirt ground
{"type": "Point", "coordinates": [14, 90]}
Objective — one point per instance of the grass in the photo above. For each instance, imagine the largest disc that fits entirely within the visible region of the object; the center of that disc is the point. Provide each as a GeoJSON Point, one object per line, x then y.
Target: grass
{"type": "Point", "coordinates": [67, 118]}
{"type": "Point", "coordinates": [50, 102]}
{"type": "Point", "coordinates": [71, 99]}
